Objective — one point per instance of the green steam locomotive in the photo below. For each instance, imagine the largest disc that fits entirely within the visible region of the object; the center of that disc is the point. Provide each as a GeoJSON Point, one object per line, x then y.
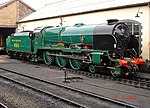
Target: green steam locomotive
{"type": "Point", "coordinates": [96, 47]}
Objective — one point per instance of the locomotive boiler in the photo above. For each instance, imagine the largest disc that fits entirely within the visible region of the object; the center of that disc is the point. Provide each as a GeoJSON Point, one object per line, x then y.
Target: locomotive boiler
{"type": "Point", "coordinates": [96, 47]}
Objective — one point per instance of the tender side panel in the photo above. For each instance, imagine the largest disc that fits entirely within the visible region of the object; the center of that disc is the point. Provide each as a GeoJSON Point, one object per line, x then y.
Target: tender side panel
{"type": "Point", "coordinates": [19, 43]}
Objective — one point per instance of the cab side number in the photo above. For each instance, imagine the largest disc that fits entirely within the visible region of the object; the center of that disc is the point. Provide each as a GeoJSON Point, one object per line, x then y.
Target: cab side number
{"type": "Point", "coordinates": [16, 45]}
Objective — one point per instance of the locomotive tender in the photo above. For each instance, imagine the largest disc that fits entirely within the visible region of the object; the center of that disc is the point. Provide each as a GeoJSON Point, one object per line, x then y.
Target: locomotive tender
{"type": "Point", "coordinates": [99, 47]}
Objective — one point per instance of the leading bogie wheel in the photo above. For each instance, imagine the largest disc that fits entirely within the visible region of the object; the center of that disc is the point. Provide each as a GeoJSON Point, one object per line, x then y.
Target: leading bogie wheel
{"type": "Point", "coordinates": [117, 72]}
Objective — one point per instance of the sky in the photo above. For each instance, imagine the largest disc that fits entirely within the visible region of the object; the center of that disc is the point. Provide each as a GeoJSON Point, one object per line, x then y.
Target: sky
{"type": "Point", "coordinates": [36, 4]}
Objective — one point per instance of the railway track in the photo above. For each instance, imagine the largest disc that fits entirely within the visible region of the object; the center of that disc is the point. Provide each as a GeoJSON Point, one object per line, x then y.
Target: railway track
{"type": "Point", "coordinates": [2, 105]}
{"type": "Point", "coordinates": [134, 83]}
{"type": "Point", "coordinates": [7, 74]}
{"type": "Point", "coordinates": [142, 79]}
{"type": "Point", "coordinates": [43, 92]}
{"type": "Point", "coordinates": [138, 82]}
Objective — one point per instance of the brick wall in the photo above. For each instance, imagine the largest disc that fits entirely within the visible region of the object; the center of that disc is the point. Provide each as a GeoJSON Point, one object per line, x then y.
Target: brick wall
{"type": "Point", "coordinates": [8, 15]}
{"type": "Point", "coordinates": [23, 10]}
{"type": "Point", "coordinates": [11, 13]}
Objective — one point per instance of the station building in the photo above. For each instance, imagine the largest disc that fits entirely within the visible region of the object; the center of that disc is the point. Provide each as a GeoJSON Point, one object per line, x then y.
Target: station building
{"type": "Point", "coordinates": [11, 12]}
{"type": "Point", "coordinates": [70, 12]}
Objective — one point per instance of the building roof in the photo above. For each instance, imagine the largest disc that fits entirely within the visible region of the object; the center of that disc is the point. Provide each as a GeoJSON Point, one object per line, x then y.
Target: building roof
{"type": "Point", "coordinates": [12, 1]}
{"type": "Point", "coordinates": [72, 7]}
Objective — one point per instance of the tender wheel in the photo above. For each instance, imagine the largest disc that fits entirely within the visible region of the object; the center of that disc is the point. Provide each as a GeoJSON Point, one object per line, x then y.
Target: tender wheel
{"type": "Point", "coordinates": [75, 64]}
{"type": "Point", "coordinates": [92, 68]}
{"type": "Point", "coordinates": [10, 55]}
{"type": "Point", "coordinates": [47, 58]}
{"type": "Point", "coordinates": [61, 61]}
{"type": "Point", "coordinates": [16, 56]}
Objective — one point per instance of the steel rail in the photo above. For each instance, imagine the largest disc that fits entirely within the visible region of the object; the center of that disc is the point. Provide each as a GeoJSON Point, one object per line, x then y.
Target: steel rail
{"type": "Point", "coordinates": [44, 92]}
{"type": "Point", "coordinates": [2, 105]}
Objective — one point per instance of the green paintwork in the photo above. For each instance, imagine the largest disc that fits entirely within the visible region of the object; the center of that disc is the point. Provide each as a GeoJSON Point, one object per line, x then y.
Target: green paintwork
{"type": "Point", "coordinates": [61, 61]}
{"type": "Point", "coordinates": [37, 41]}
{"type": "Point", "coordinates": [96, 58]}
{"type": "Point", "coordinates": [55, 40]}
{"type": "Point", "coordinates": [72, 35]}
{"type": "Point", "coordinates": [51, 36]}
{"type": "Point", "coordinates": [68, 35]}
{"type": "Point", "coordinates": [92, 68]}
{"type": "Point", "coordinates": [117, 71]}
{"type": "Point", "coordinates": [75, 64]}
{"type": "Point", "coordinates": [47, 59]}
{"type": "Point", "coordinates": [8, 43]}
{"type": "Point", "coordinates": [19, 42]}
{"type": "Point", "coordinates": [22, 42]}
